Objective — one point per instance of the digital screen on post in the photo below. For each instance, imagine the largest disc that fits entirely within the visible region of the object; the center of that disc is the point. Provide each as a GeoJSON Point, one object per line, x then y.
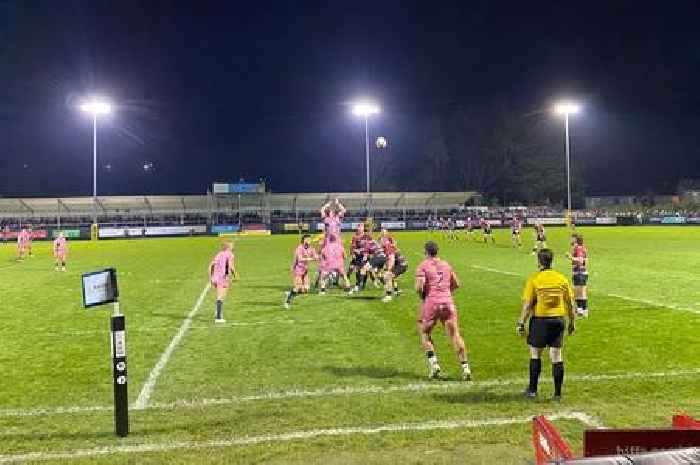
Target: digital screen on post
{"type": "Point", "coordinates": [100, 287]}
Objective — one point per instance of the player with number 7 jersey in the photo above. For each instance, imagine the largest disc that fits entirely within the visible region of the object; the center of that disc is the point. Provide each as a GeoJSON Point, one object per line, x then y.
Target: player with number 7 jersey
{"type": "Point", "coordinates": [435, 282]}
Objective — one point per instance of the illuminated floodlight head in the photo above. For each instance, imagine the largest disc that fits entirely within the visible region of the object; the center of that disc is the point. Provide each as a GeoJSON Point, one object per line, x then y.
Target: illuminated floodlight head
{"type": "Point", "coordinates": [567, 108]}
{"type": "Point", "coordinates": [365, 109]}
{"type": "Point", "coordinates": [96, 107]}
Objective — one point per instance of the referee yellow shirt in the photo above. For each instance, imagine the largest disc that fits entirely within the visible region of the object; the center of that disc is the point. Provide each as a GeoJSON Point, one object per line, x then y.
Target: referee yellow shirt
{"type": "Point", "coordinates": [549, 292]}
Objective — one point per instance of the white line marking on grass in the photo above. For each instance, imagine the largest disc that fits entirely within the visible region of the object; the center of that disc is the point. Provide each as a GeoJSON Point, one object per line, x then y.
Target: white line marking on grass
{"type": "Point", "coordinates": [147, 390]}
{"type": "Point", "coordinates": [290, 436]}
{"type": "Point", "coordinates": [351, 391]}
{"type": "Point", "coordinates": [650, 303]}
{"type": "Point", "coordinates": [493, 270]}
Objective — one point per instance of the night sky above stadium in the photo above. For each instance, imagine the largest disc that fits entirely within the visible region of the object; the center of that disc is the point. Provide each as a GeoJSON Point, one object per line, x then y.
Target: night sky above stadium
{"type": "Point", "coordinates": [211, 91]}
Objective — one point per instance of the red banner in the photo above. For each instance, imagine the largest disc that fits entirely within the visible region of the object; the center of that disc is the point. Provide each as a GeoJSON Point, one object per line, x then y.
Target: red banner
{"type": "Point", "coordinates": [36, 234]}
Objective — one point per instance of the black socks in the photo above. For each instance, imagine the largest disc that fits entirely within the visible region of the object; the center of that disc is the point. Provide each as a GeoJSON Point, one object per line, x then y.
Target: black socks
{"type": "Point", "coordinates": [558, 375]}
{"type": "Point", "coordinates": [535, 369]}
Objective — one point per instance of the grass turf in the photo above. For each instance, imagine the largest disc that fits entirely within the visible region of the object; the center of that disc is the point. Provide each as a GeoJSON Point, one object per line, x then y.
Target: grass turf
{"type": "Point", "coordinates": [270, 371]}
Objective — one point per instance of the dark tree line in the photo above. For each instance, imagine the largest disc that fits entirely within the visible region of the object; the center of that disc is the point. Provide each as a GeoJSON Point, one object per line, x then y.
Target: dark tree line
{"type": "Point", "coordinates": [509, 156]}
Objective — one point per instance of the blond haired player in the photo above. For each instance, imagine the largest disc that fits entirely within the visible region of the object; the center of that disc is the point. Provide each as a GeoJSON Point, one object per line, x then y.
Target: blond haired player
{"type": "Point", "coordinates": [221, 269]}
{"type": "Point", "coordinates": [547, 299]}
{"type": "Point", "coordinates": [435, 283]}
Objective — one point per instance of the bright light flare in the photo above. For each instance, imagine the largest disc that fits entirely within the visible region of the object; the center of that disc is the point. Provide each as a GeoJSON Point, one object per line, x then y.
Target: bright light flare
{"type": "Point", "coordinates": [96, 107]}
{"type": "Point", "coordinates": [567, 108]}
{"type": "Point", "coordinates": [365, 109]}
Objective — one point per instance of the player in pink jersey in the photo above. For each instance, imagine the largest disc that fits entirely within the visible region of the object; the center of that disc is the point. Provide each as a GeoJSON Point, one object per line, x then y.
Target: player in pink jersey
{"type": "Point", "coordinates": [303, 255]}
{"type": "Point", "coordinates": [221, 270]}
{"type": "Point", "coordinates": [21, 244]}
{"type": "Point", "coordinates": [435, 283]}
{"type": "Point", "coordinates": [515, 230]}
{"type": "Point", "coordinates": [333, 264]}
{"type": "Point", "coordinates": [389, 246]}
{"type": "Point", "coordinates": [60, 251]}
{"type": "Point", "coordinates": [332, 214]}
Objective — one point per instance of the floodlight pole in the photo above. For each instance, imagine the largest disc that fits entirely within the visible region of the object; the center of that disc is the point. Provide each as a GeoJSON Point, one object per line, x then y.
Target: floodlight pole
{"type": "Point", "coordinates": [367, 149]}
{"type": "Point", "coordinates": [94, 168]}
{"type": "Point", "coordinates": [568, 163]}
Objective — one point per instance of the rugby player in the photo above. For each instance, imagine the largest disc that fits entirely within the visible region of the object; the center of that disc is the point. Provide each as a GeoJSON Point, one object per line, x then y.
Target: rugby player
{"type": "Point", "coordinates": [303, 254]}
{"type": "Point", "coordinates": [389, 247]}
{"type": "Point", "coordinates": [332, 214]}
{"type": "Point", "coordinates": [515, 227]}
{"type": "Point", "coordinates": [579, 275]}
{"type": "Point", "coordinates": [486, 231]}
{"type": "Point", "coordinates": [374, 263]}
{"type": "Point", "coordinates": [333, 264]}
{"type": "Point", "coordinates": [540, 238]}
{"type": "Point", "coordinates": [547, 299]}
{"type": "Point", "coordinates": [470, 227]}
{"type": "Point", "coordinates": [60, 251]}
{"type": "Point", "coordinates": [358, 257]}
{"type": "Point", "coordinates": [221, 269]}
{"type": "Point", "coordinates": [435, 283]}
{"type": "Point", "coordinates": [21, 244]}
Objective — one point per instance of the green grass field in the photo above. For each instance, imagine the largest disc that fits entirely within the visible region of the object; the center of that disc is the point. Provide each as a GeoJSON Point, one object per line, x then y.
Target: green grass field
{"type": "Point", "coordinates": [337, 379]}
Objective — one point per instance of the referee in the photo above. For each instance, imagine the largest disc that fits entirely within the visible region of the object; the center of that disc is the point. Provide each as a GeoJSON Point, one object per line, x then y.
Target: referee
{"type": "Point", "coordinates": [547, 299]}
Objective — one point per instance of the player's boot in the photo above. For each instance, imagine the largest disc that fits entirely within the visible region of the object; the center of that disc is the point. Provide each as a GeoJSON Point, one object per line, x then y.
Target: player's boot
{"type": "Point", "coordinates": [386, 299]}
{"type": "Point", "coordinates": [433, 370]}
{"type": "Point", "coordinates": [529, 394]}
{"type": "Point", "coordinates": [466, 372]}
{"type": "Point", "coordinates": [286, 300]}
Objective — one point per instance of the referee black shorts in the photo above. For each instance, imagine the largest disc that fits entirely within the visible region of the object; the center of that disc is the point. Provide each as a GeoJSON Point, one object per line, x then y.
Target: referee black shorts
{"type": "Point", "coordinates": [546, 332]}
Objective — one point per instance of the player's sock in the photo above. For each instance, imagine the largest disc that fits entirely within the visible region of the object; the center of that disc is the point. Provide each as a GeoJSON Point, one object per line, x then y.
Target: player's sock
{"type": "Point", "coordinates": [364, 281]}
{"type": "Point", "coordinates": [584, 304]}
{"type": "Point", "coordinates": [219, 309]}
{"type": "Point", "coordinates": [558, 375]}
{"type": "Point", "coordinates": [358, 278]}
{"type": "Point", "coordinates": [580, 304]}
{"type": "Point", "coordinates": [290, 295]}
{"type": "Point", "coordinates": [535, 369]}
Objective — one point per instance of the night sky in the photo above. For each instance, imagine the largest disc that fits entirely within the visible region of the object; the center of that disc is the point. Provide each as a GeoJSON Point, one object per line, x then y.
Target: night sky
{"type": "Point", "coordinates": [215, 91]}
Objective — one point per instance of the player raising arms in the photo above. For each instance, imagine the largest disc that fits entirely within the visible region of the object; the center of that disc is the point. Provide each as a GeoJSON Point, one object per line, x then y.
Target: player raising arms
{"type": "Point", "coordinates": [515, 228]}
{"type": "Point", "coordinates": [435, 283]}
{"type": "Point", "coordinates": [547, 299]}
{"type": "Point", "coordinates": [303, 254]}
{"type": "Point", "coordinates": [579, 271]}
{"type": "Point", "coordinates": [540, 238]}
{"type": "Point", "coordinates": [332, 214]}
{"type": "Point", "coordinates": [333, 263]}
{"type": "Point", "coordinates": [60, 251]}
{"type": "Point", "coordinates": [486, 231]}
{"type": "Point", "coordinates": [389, 246]}
{"type": "Point", "coordinates": [221, 270]}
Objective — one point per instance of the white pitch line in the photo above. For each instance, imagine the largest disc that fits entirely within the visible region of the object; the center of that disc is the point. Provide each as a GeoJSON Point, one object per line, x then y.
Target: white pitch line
{"type": "Point", "coordinates": [654, 304]}
{"type": "Point", "coordinates": [350, 391]}
{"type": "Point", "coordinates": [145, 394]}
{"type": "Point", "coordinates": [493, 270]}
{"type": "Point", "coordinates": [290, 436]}
{"type": "Point", "coordinates": [650, 303]}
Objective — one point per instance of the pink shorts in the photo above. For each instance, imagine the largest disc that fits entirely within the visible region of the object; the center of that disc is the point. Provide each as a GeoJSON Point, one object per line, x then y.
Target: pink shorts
{"type": "Point", "coordinates": [300, 271]}
{"type": "Point", "coordinates": [434, 311]}
{"type": "Point", "coordinates": [220, 282]}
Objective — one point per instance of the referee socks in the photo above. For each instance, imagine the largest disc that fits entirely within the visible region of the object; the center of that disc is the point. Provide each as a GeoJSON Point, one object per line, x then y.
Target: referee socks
{"type": "Point", "coordinates": [535, 370]}
{"type": "Point", "coordinates": [558, 375]}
